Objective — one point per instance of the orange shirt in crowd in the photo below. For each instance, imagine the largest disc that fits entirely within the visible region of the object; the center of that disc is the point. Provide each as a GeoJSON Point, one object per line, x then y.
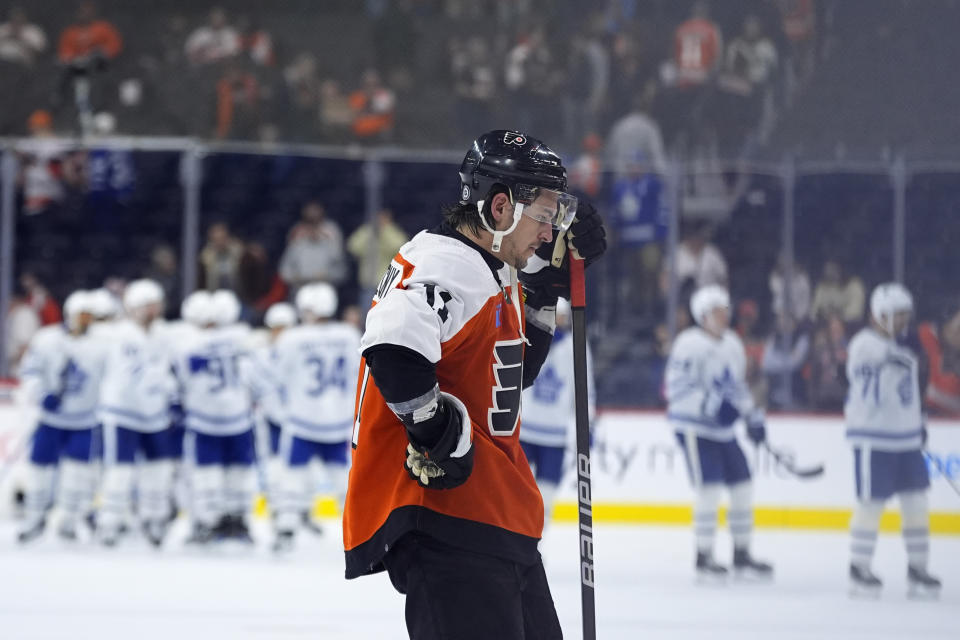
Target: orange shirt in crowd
{"type": "Point", "coordinates": [77, 40]}
{"type": "Point", "coordinates": [696, 50]}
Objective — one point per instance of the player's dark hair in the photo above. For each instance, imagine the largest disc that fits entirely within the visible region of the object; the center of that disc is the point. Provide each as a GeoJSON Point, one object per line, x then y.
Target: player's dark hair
{"type": "Point", "coordinates": [465, 216]}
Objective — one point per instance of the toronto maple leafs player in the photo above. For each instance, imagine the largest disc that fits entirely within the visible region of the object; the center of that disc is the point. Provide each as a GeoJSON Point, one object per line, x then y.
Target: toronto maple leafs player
{"type": "Point", "coordinates": [549, 410]}
{"type": "Point", "coordinates": [134, 410]}
{"type": "Point", "coordinates": [212, 369]}
{"type": "Point", "coordinates": [317, 361]}
{"type": "Point", "coordinates": [886, 426]}
{"type": "Point", "coordinates": [61, 374]}
{"type": "Point", "coordinates": [707, 395]}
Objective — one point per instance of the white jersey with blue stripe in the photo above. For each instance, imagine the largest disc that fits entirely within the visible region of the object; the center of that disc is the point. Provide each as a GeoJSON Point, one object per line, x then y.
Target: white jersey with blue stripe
{"type": "Point", "coordinates": [548, 406]}
{"type": "Point", "coordinates": [703, 370]}
{"type": "Point", "coordinates": [69, 367]}
{"type": "Point", "coordinates": [138, 383]}
{"type": "Point", "coordinates": [883, 409]}
{"type": "Point", "coordinates": [213, 373]}
{"type": "Point", "coordinates": [317, 365]}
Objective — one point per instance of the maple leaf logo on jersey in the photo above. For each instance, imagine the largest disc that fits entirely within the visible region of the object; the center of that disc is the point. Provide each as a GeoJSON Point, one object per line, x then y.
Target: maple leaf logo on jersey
{"type": "Point", "coordinates": [514, 138]}
{"type": "Point", "coordinates": [502, 418]}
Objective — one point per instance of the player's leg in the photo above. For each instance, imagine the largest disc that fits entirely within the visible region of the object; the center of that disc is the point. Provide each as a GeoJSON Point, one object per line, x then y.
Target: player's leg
{"type": "Point", "coordinates": [872, 491]}
{"type": "Point", "coordinates": [454, 593]}
{"type": "Point", "coordinates": [914, 482]}
{"type": "Point", "coordinates": [293, 495]}
{"type": "Point", "coordinates": [549, 473]}
{"type": "Point", "coordinates": [78, 480]}
{"type": "Point", "coordinates": [39, 480]}
{"type": "Point", "coordinates": [206, 486]}
{"type": "Point", "coordinates": [239, 480]}
{"type": "Point", "coordinates": [740, 514]}
{"type": "Point", "coordinates": [705, 468]}
{"type": "Point", "coordinates": [155, 485]}
{"type": "Point", "coordinates": [119, 454]}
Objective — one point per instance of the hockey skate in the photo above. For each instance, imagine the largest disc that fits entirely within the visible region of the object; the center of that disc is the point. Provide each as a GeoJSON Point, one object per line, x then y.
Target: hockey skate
{"type": "Point", "coordinates": [283, 543]}
{"type": "Point", "coordinates": [31, 533]}
{"type": "Point", "coordinates": [233, 527]}
{"type": "Point", "coordinates": [708, 571]}
{"type": "Point", "coordinates": [201, 534]}
{"type": "Point", "coordinates": [746, 567]}
{"type": "Point", "coordinates": [310, 524]}
{"type": "Point", "coordinates": [67, 531]}
{"type": "Point", "coordinates": [109, 536]}
{"type": "Point", "coordinates": [863, 583]}
{"type": "Point", "coordinates": [921, 585]}
{"type": "Point", "coordinates": [155, 531]}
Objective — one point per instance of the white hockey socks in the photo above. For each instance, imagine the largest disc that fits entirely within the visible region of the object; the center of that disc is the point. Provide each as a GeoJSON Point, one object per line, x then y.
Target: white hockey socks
{"type": "Point", "coordinates": [705, 516]}
{"type": "Point", "coordinates": [863, 532]}
{"type": "Point", "coordinates": [740, 514]}
{"type": "Point", "coordinates": [239, 489]}
{"type": "Point", "coordinates": [116, 496]}
{"type": "Point", "coordinates": [38, 493]}
{"type": "Point", "coordinates": [155, 489]}
{"type": "Point", "coordinates": [293, 496]}
{"type": "Point", "coordinates": [916, 527]}
{"type": "Point", "coordinates": [77, 482]}
{"type": "Point", "coordinates": [337, 474]}
{"type": "Point", "coordinates": [207, 487]}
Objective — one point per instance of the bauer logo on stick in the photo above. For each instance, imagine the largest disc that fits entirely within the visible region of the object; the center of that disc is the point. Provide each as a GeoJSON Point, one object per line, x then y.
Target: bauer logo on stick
{"type": "Point", "coordinates": [514, 138]}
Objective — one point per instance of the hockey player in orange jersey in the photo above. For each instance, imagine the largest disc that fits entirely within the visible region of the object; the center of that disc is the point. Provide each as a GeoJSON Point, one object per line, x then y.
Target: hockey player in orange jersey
{"type": "Point", "coordinates": [440, 493]}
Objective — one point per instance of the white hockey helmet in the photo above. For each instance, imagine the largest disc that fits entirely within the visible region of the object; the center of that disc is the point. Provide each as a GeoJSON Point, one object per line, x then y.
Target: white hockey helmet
{"type": "Point", "coordinates": [706, 299]}
{"type": "Point", "coordinates": [563, 309]}
{"type": "Point", "coordinates": [141, 293]}
{"type": "Point", "coordinates": [104, 304]}
{"type": "Point", "coordinates": [76, 303]}
{"type": "Point", "coordinates": [226, 307]}
{"type": "Point", "coordinates": [281, 314]}
{"type": "Point", "coordinates": [197, 308]}
{"type": "Point", "coordinates": [887, 300]}
{"type": "Point", "coordinates": [318, 299]}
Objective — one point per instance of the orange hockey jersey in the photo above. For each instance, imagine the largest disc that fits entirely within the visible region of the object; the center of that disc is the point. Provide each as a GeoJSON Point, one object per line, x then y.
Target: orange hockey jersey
{"type": "Point", "coordinates": [444, 299]}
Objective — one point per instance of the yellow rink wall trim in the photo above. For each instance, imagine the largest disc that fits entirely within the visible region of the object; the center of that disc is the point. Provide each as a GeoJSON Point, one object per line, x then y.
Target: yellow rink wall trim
{"type": "Point", "coordinates": [941, 522]}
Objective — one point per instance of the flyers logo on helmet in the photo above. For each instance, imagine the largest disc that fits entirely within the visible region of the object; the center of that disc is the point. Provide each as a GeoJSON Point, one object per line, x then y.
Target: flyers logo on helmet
{"type": "Point", "coordinates": [514, 138]}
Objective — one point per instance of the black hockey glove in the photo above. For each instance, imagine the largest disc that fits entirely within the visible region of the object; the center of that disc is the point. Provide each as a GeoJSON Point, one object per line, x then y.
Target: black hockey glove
{"type": "Point", "coordinates": [589, 240]}
{"type": "Point", "coordinates": [720, 409]}
{"type": "Point", "coordinates": [440, 453]}
{"type": "Point", "coordinates": [756, 429]}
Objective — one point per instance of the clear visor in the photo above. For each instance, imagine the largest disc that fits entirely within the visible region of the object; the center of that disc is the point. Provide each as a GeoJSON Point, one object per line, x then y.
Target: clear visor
{"type": "Point", "coordinates": [546, 205]}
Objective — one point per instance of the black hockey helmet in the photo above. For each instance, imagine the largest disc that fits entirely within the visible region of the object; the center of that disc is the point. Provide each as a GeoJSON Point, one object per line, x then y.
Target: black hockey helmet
{"type": "Point", "coordinates": [527, 168]}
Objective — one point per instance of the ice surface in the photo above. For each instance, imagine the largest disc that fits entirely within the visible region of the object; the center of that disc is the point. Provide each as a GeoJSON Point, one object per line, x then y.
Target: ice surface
{"type": "Point", "coordinates": [645, 590]}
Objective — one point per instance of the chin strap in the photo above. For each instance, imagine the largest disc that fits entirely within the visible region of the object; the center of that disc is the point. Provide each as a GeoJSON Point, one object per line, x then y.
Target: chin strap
{"type": "Point", "coordinates": [498, 235]}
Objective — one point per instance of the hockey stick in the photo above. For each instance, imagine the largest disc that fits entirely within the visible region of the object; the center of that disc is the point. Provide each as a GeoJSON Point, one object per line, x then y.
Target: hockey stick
{"type": "Point", "coordinates": [584, 495]}
{"type": "Point", "coordinates": [942, 470]}
{"type": "Point", "coordinates": [787, 463]}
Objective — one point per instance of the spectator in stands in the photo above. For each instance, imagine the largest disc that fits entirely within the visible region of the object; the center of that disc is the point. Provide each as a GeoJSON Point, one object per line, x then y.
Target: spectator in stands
{"type": "Point", "coordinates": [373, 246]}
{"type": "Point", "coordinates": [301, 83]}
{"type": "Point", "coordinates": [163, 270]}
{"type": "Point", "coordinates": [38, 297]}
{"type": "Point", "coordinates": [89, 43]}
{"type": "Point", "coordinates": [22, 322]}
{"type": "Point", "coordinates": [637, 135]}
{"type": "Point", "coordinates": [941, 345]}
{"type": "Point", "coordinates": [639, 222]}
{"type": "Point", "coordinates": [474, 84]}
{"type": "Point", "coordinates": [336, 114]}
{"type": "Point", "coordinates": [532, 78]}
{"type": "Point", "coordinates": [698, 261]}
{"type": "Point", "coordinates": [20, 40]}
{"type": "Point", "coordinates": [784, 357]}
{"type": "Point", "coordinates": [373, 108]}
{"type": "Point", "coordinates": [828, 361]}
{"type": "Point", "coordinates": [42, 162]}
{"type": "Point", "coordinates": [258, 285]}
{"type": "Point", "coordinates": [588, 81]}
{"type": "Point", "coordinates": [799, 25]}
{"type": "Point", "coordinates": [838, 294]}
{"type": "Point", "coordinates": [798, 292]}
{"type": "Point", "coordinates": [746, 326]}
{"type": "Point", "coordinates": [744, 84]}
{"type": "Point", "coordinates": [256, 42]}
{"type": "Point", "coordinates": [238, 104]}
{"type": "Point", "coordinates": [216, 41]}
{"type": "Point", "coordinates": [586, 171]}
{"type": "Point", "coordinates": [315, 251]}
{"type": "Point", "coordinates": [220, 259]}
